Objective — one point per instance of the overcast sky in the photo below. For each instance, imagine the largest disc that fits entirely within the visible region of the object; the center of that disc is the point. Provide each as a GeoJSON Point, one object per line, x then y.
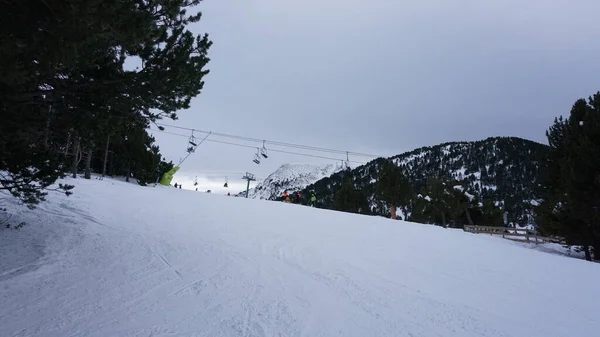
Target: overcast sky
{"type": "Point", "coordinates": [380, 77]}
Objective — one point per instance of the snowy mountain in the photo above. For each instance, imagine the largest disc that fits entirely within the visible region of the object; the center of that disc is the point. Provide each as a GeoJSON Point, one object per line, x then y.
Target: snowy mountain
{"type": "Point", "coordinates": [106, 261]}
{"type": "Point", "coordinates": [290, 177]}
{"type": "Point", "coordinates": [499, 170]}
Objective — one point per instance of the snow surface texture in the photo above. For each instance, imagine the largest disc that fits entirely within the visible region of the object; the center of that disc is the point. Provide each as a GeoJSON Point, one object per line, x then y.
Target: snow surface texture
{"type": "Point", "coordinates": [290, 177]}
{"type": "Point", "coordinates": [115, 259]}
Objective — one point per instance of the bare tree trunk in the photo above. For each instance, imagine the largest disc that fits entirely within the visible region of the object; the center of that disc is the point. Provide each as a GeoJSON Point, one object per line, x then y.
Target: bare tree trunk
{"type": "Point", "coordinates": [68, 143]}
{"type": "Point", "coordinates": [112, 165]}
{"type": "Point", "coordinates": [75, 157]}
{"type": "Point", "coordinates": [469, 217]}
{"type": "Point", "coordinates": [444, 220]}
{"type": "Point", "coordinates": [88, 163]}
{"type": "Point", "coordinates": [586, 250]}
{"type": "Point", "coordinates": [393, 211]}
{"type": "Point", "coordinates": [106, 155]}
{"type": "Point", "coordinates": [47, 133]}
{"type": "Point", "coordinates": [586, 237]}
{"type": "Point", "coordinates": [128, 172]}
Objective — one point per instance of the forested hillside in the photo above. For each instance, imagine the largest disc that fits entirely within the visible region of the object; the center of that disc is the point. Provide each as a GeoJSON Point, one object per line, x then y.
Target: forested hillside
{"type": "Point", "coordinates": [499, 171]}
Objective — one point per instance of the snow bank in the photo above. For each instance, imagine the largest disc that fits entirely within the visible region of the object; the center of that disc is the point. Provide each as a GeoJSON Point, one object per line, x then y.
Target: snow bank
{"type": "Point", "coordinates": [116, 259]}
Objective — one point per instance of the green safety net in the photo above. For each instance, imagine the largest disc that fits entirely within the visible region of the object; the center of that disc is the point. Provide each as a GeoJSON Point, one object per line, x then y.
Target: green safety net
{"type": "Point", "coordinates": [167, 177]}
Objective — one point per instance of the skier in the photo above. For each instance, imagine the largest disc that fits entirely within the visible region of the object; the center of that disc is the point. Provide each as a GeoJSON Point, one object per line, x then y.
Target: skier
{"type": "Point", "coordinates": [313, 199]}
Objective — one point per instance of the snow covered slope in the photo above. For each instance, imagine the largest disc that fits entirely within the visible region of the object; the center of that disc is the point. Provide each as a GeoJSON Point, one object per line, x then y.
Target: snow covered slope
{"type": "Point", "coordinates": [291, 177]}
{"type": "Point", "coordinates": [115, 259]}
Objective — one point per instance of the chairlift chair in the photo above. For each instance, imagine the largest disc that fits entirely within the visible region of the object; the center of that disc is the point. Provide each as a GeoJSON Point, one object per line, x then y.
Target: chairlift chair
{"type": "Point", "coordinates": [257, 157]}
{"type": "Point", "coordinates": [193, 139]}
{"type": "Point", "coordinates": [192, 143]}
{"type": "Point", "coordinates": [263, 151]}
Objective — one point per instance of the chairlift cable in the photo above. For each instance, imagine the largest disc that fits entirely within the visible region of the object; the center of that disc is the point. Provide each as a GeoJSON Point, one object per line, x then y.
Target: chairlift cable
{"type": "Point", "coordinates": [189, 153]}
{"type": "Point", "coordinates": [271, 150]}
{"type": "Point", "coordinates": [299, 146]}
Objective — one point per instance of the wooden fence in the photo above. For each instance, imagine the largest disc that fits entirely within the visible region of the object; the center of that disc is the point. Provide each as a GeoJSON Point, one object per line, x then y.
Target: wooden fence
{"type": "Point", "coordinates": [513, 234]}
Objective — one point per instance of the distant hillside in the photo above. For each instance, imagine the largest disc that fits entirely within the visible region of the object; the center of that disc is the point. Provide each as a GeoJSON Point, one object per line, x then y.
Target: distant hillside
{"type": "Point", "coordinates": [290, 177]}
{"type": "Point", "coordinates": [502, 170]}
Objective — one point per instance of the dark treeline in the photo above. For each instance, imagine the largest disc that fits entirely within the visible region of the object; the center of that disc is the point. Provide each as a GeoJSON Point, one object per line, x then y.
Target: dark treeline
{"type": "Point", "coordinates": [83, 80]}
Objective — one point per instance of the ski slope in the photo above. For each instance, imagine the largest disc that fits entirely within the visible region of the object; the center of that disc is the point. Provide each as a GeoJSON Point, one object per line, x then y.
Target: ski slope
{"type": "Point", "coordinates": [115, 259]}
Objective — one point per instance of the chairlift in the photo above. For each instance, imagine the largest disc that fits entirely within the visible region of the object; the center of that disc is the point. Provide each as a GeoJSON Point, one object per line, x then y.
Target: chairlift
{"type": "Point", "coordinates": [256, 156]}
{"type": "Point", "coordinates": [226, 185]}
{"type": "Point", "coordinates": [192, 143]}
{"type": "Point", "coordinates": [193, 139]}
{"type": "Point", "coordinates": [196, 181]}
{"type": "Point", "coordinates": [263, 151]}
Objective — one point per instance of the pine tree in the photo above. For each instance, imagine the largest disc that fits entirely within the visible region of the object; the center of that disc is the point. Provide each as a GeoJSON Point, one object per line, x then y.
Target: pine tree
{"type": "Point", "coordinates": [460, 205]}
{"type": "Point", "coordinates": [351, 199]}
{"type": "Point", "coordinates": [570, 183]}
{"type": "Point", "coordinates": [422, 211]}
{"type": "Point", "coordinates": [392, 187]}
{"type": "Point", "coordinates": [440, 198]}
{"type": "Point", "coordinates": [64, 84]}
{"type": "Point", "coordinates": [491, 215]}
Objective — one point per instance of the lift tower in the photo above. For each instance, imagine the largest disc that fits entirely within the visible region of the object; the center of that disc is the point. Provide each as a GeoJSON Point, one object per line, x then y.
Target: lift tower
{"type": "Point", "coordinates": [249, 177]}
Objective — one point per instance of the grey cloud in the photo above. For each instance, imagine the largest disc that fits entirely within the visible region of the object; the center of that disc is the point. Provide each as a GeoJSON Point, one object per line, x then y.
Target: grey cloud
{"type": "Point", "coordinates": [385, 76]}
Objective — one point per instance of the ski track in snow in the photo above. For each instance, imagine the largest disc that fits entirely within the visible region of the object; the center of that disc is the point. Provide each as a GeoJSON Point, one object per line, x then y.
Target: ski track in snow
{"type": "Point", "coordinates": [120, 260]}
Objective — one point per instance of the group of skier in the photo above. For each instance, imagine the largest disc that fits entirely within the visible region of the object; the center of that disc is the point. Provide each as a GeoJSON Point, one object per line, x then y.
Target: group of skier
{"type": "Point", "coordinates": [297, 198]}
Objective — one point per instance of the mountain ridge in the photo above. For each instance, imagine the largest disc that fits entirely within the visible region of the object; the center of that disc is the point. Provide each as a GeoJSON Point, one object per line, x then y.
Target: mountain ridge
{"type": "Point", "coordinates": [289, 177]}
{"type": "Point", "coordinates": [501, 170]}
